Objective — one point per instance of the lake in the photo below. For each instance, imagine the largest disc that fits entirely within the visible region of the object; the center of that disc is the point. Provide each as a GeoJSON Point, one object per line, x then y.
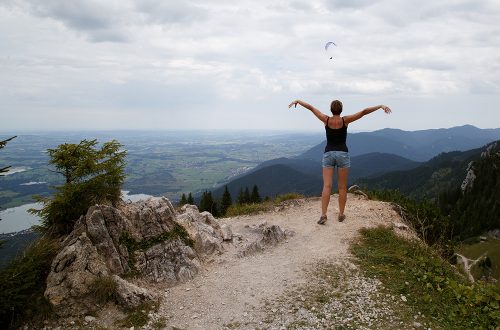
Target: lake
{"type": "Point", "coordinates": [15, 219]}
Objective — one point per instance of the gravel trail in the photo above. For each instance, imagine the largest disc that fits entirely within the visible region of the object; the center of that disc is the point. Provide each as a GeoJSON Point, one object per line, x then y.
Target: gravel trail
{"type": "Point", "coordinates": [231, 292]}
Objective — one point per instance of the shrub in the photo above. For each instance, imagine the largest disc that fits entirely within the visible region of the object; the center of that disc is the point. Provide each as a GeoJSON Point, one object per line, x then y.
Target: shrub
{"type": "Point", "coordinates": [22, 282]}
{"type": "Point", "coordinates": [426, 219]}
{"type": "Point", "coordinates": [103, 289]}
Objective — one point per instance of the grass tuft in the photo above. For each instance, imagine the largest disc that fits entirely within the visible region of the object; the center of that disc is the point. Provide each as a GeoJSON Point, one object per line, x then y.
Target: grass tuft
{"type": "Point", "coordinates": [254, 208]}
{"type": "Point", "coordinates": [103, 289]}
{"type": "Point", "coordinates": [139, 316]}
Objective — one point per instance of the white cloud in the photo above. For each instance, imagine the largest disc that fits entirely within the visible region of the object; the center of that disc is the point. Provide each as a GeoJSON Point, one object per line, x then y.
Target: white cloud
{"type": "Point", "coordinates": [139, 57]}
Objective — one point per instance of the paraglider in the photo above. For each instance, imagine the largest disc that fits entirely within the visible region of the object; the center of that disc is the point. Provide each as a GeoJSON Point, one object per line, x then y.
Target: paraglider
{"type": "Point", "coordinates": [328, 45]}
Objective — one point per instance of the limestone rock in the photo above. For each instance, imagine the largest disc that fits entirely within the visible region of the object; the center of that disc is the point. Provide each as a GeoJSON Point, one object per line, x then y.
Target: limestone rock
{"type": "Point", "coordinates": [469, 178]}
{"type": "Point", "coordinates": [180, 266]}
{"type": "Point", "coordinates": [271, 235]}
{"type": "Point", "coordinates": [227, 233]}
{"type": "Point", "coordinates": [72, 273]}
{"type": "Point", "coordinates": [202, 228]}
{"type": "Point", "coordinates": [147, 239]}
{"type": "Point", "coordinates": [130, 295]}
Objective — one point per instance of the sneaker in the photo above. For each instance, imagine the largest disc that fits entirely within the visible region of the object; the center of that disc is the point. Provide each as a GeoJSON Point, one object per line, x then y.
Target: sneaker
{"type": "Point", "coordinates": [341, 217]}
{"type": "Point", "coordinates": [322, 220]}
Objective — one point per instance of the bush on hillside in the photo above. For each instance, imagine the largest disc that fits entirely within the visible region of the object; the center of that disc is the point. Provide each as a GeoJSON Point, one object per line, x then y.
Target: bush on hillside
{"type": "Point", "coordinates": [425, 218]}
{"type": "Point", "coordinates": [22, 283]}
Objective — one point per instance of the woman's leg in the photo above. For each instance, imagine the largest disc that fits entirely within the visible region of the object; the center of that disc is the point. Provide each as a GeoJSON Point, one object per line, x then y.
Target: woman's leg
{"type": "Point", "coordinates": [342, 184]}
{"type": "Point", "coordinates": [327, 189]}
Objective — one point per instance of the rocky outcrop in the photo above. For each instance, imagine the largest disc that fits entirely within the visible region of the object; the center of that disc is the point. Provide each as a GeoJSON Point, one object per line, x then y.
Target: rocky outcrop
{"type": "Point", "coordinates": [469, 178]}
{"type": "Point", "coordinates": [491, 150]}
{"type": "Point", "coordinates": [270, 236]}
{"type": "Point", "coordinates": [146, 239]}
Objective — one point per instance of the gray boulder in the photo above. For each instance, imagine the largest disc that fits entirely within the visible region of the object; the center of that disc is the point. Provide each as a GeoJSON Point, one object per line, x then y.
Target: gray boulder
{"type": "Point", "coordinates": [145, 239]}
{"type": "Point", "coordinates": [270, 236]}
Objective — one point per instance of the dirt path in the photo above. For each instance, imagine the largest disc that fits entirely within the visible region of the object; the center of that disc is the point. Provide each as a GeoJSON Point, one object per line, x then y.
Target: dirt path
{"type": "Point", "coordinates": [230, 291]}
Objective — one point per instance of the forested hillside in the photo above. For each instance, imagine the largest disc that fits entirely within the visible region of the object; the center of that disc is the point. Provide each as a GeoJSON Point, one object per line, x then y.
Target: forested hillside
{"type": "Point", "coordinates": [443, 172]}
{"type": "Point", "coordinates": [464, 185]}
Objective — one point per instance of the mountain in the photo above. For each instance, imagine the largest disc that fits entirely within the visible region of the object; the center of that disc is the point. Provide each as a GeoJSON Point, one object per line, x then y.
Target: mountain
{"type": "Point", "coordinates": [276, 179]}
{"type": "Point", "coordinates": [304, 176]}
{"type": "Point", "coordinates": [477, 208]}
{"type": "Point", "coordinates": [443, 172]}
{"type": "Point", "coordinates": [417, 145]}
{"type": "Point", "coordinates": [376, 163]}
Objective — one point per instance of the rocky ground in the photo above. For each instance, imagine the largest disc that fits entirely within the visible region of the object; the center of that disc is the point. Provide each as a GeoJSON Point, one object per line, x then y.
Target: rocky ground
{"type": "Point", "coordinates": [252, 292]}
{"type": "Point", "coordinates": [279, 284]}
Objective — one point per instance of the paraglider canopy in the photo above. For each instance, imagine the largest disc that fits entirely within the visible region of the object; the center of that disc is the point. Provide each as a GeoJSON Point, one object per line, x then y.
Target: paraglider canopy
{"type": "Point", "coordinates": [328, 45]}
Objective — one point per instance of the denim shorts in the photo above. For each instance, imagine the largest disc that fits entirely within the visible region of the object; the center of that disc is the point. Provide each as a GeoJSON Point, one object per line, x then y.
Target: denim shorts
{"type": "Point", "coordinates": [338, 159]}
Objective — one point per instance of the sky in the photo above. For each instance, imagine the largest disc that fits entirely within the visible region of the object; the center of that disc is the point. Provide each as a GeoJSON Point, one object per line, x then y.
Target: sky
{"type": "Point", "coordinates": [223, 64]}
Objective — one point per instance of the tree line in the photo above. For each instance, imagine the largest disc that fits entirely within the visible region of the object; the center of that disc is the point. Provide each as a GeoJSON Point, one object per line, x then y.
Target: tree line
{"type": "Point", "coordinates": [219, 207]}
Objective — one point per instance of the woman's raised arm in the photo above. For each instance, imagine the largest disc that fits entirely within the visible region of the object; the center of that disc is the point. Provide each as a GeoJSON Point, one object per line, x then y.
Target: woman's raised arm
{"type": "Point", "coordinates": [321, 116]}
{"type": "Point", "coordinates": [350, 118]}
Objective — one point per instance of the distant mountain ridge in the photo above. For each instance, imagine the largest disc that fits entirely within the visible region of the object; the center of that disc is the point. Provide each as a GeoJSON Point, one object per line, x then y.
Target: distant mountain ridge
{"type": "Point", "coordinates": [396, 153]}
{"type": "Point", "coordinates": [304, 176]}
{"type": "Point", "coordinates": [415, 145]}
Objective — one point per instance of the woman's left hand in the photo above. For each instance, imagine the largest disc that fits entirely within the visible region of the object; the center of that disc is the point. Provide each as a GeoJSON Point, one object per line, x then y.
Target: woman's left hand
{"type": "Point", "coordinates": [293, 103]}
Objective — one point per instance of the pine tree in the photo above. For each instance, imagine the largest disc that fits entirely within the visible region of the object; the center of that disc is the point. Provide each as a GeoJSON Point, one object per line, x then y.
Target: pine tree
{"type": "Point", "coordinates": [246, 195]}
{"type": "Point", "coordinates": [91, 175]}
{"type": "Point", "coordinates": [226, 201]}
{"type": "Point", "coordinates": [207, 203]}
{"type": "Point", "coordinates": [183, 200]}
{"type": "Point", "coordinates": [241, 196]}
{"type": "Point", "coordinates": [190, 200]}
{"type": "Point", "coordinates": [255, 197]}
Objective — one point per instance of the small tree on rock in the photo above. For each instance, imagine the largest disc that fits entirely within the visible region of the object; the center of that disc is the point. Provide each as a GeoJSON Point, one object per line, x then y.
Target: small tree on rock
{"type": "Point", "coordinates": [190, 200]}
{"type": "Point", "coordinates": [92, 175]}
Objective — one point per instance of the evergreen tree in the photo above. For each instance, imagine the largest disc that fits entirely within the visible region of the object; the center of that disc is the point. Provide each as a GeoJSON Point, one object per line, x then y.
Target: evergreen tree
{"type": "Point", "coordinates": [255, 197]}
{"type": "Point", "coordinates": [183, 200]}
{"type": "Point", "coordinates": [207, 203]}
{"type": "Point", "coordinates": [246, 196]}
{"type": "Point", "coordinates": [91, 175]}
{"type": "Point", "coordinates": [2, 144]}
{"type": "Point", "coordinates": [226, 201]}
{"type": "Point", "coordinates": [190, 200]}
{"type": "Point", "coordinates": [241, 196]}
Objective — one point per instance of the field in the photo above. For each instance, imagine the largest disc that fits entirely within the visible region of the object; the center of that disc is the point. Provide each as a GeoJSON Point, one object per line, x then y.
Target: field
{"type": "Point", "coordinates": [491, 247]}
{"type": "Point", "coordinates": [158, 162]}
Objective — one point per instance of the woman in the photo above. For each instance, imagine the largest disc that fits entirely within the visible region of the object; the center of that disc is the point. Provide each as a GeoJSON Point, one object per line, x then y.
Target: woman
{"type": "Point", "coordinates": [336, 152]}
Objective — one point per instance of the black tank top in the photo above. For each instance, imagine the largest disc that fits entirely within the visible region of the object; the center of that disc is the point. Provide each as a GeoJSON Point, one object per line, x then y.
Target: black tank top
{"type": "Point", "coordinates": [336, 137]}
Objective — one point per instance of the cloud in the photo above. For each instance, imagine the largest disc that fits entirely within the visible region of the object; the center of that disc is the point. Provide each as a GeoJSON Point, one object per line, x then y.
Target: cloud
{"type": "Point", "coordinates": [145, 55]}
{"type": "Point", "coordinates": [97, 20]}
{"type": "Point", "coordinates": [171, 12]}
